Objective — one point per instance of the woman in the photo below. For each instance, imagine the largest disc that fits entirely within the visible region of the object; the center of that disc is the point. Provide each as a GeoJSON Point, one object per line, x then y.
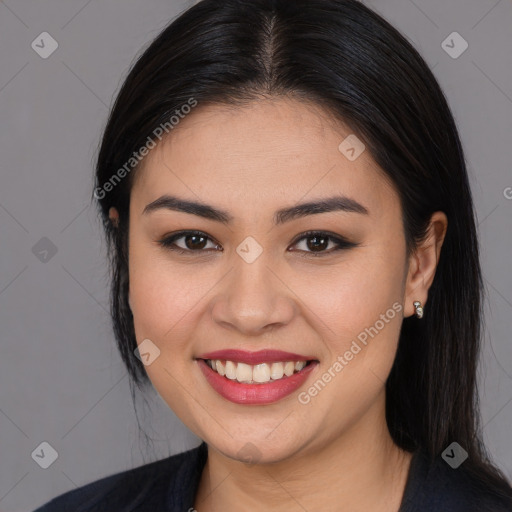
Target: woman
{"type": "Point", "coordinates": [295, 267]}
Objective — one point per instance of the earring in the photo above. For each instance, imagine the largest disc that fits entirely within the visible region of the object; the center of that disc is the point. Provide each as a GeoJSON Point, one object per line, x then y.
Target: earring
{"type": "Point", "coordinates": [419, 309]}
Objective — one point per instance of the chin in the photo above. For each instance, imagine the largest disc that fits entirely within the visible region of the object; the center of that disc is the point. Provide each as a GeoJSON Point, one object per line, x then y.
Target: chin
{"type": "Point", "coordinates": [253, 449]}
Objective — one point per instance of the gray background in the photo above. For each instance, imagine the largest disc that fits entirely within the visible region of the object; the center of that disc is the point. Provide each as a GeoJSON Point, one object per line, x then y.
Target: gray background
{"type": "Point", "coordinates": [61, 380]}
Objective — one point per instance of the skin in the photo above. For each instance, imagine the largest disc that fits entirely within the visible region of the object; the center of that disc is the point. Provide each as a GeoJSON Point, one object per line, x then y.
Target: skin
{"type": "Point", "coordinates": [252, 161]}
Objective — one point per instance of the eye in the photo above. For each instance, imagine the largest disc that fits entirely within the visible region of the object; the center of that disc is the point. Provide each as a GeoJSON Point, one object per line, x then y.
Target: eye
{"type": "Point", "coordinates": [194, 241]}
{"type": "Point", "coordinates": [315, 243]}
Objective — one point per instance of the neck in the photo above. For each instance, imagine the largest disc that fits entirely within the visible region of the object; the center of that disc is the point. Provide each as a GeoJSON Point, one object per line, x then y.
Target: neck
{"type": "Point", "coordinates": [361, 469]}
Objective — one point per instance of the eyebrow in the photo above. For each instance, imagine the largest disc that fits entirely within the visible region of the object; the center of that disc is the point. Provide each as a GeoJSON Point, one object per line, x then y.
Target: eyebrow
{"type": "Point", "coordinates": [330, 204]}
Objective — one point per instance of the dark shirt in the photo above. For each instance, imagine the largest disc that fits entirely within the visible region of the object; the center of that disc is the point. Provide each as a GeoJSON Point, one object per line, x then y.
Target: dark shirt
{"type": "Point", "coordinates": [170, 485]}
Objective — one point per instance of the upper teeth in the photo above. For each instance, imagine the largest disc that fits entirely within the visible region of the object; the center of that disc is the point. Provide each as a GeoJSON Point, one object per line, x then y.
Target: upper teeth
{"type": "Point", "coordinates": [255, 373]}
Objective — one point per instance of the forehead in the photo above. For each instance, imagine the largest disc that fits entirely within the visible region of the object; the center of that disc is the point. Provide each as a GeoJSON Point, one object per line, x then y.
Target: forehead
{"type": "Point", "coordinates": [271, 152]}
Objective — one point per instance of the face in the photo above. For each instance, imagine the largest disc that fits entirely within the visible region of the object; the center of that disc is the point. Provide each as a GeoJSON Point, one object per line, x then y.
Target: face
{"type": "Point", "coordinates": [257, 282]}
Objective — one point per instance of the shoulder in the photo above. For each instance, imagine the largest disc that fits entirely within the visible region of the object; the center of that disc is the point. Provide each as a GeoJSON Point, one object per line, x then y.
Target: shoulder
{"type": "Point", "coordinates": [147, 487]}
{"type": "Point", "coordinates": [434, 485]}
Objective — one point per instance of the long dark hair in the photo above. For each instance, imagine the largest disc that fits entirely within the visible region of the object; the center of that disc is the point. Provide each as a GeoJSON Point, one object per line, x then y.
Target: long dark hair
{"type": "Point", "coordinates": [343, 56]}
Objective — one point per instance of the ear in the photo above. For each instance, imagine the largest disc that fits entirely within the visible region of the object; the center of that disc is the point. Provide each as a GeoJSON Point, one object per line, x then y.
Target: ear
{"type": "Point", "coordinates": [423, 263]}
{"type": "Point", "coordinates": [113, 215]}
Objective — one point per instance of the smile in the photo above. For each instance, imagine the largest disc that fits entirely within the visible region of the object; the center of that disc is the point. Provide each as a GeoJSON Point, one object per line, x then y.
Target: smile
{"type": "Point", "coordinates": [267, 381]}
{"type": "Point", "coordinates": [256, 374]}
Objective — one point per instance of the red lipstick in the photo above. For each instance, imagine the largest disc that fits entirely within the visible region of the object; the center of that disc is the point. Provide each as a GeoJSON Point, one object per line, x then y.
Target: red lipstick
{"type": "Point", "coordinates": [260, 393]}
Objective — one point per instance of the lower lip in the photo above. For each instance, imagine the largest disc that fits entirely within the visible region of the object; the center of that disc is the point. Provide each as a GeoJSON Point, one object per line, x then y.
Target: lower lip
{"type": "Point", "coordinates": [259, 394]}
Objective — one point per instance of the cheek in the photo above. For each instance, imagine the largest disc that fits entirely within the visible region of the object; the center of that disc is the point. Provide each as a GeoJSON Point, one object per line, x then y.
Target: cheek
{"type": "Point", "coordinates": [351, 296]}
{"type": "Point", "coordinates": [361, 313]}
{"type": "Point", "coordinates": [167, 299]}
{"type": "Point", "coordinates": [163, 300]}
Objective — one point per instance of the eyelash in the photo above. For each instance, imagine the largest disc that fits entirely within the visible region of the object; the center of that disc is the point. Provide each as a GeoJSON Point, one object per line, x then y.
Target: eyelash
{"type": "Point", "coordinates": [341, 243]}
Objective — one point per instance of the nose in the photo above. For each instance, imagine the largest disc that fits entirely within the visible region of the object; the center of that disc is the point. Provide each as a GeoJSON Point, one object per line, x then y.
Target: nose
{"type": "Point", "coordinates": [254, 299]}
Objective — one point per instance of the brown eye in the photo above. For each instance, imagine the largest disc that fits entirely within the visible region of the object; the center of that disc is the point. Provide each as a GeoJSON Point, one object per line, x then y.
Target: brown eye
{"type": "Point", "coordinates": [316, 243]}
{"type": "Point", "coordinates": [193, 241]}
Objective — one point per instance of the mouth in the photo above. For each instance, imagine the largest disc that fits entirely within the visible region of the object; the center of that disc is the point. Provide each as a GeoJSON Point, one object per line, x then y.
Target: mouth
{"type": "Point", "coordinates": [258, 373]}
{"type": "Point", "coordinates": [255, 378]}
